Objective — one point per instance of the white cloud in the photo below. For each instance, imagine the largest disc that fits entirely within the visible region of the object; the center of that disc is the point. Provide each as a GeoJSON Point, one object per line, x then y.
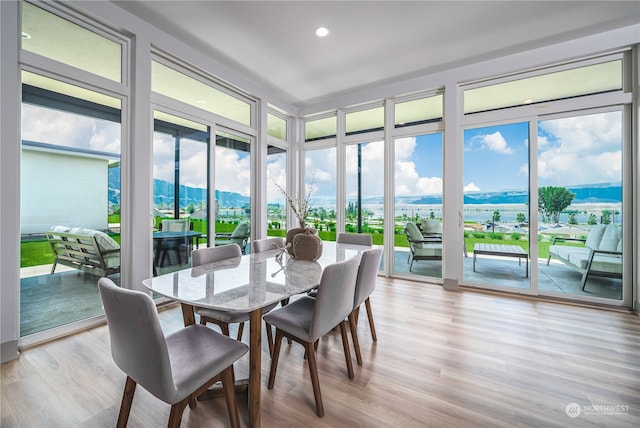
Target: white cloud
{"type": "Point", "coordinates": [232, 171]}
{"type": "Point", "coordinates": [494, 142]}
{"type": "Point", "coordinates": [582, 150]}
{"type": "Point", "coordinates": [471, 187]}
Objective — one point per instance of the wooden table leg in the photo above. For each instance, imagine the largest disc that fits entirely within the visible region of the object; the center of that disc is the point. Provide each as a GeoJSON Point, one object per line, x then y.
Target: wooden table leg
{"type": "Point", "coordinates": [188, 314]}
{"type": "Point", "coordinates": [255, 361]}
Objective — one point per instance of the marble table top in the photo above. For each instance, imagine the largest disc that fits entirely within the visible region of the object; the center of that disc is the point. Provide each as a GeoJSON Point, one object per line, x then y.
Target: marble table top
{"type": "Point", "coordinates": [249, 282]}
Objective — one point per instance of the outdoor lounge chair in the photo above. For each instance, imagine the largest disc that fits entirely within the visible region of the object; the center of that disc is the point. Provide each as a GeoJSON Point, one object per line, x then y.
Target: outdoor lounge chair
{"type": "Point", "coordinates": [240, 236]}
{"type": "Point", "coordinates": [422, 247]}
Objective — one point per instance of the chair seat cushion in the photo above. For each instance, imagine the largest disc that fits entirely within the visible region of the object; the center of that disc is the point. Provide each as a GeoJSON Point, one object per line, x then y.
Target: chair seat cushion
{"type": "Point", "coordinates": [230, 317]}
{"type": "Point", "coordinates": [294, 318]}
{"type": "Point", "coordinates": [425, 250]}
{"type": "Point", "coordinates": [212, 351]}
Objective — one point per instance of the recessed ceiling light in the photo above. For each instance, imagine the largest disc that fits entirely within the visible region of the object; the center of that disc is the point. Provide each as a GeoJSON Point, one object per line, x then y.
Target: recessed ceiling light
{"type": "Point", "coordinates": [322, 31]}
{"type": "Point", "coordinates": [26, 35]}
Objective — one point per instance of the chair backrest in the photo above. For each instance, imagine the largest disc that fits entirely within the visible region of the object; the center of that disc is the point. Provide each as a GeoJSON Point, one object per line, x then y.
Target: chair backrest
{"type": "Point", "coordinates": [367, 275]}
{"type": "Point", "coordinates": [202, 256]}
{"type": "Point", "coordinates": [138, 345]}
{"type": "Point", "coordinates": [176, 225]}
{"type": "Point", "coordinates": [430, 225]}
{"type": "Point", "coordinates": [412, 231]}
{"type": "Point", "coordinates": [242, 230]}
{"type": "Point", "coordinates": [260, 245]}
{"type": "Point", "coordinates": [354, 238]}
{"type": "Point", "coordinates": [334, 301]}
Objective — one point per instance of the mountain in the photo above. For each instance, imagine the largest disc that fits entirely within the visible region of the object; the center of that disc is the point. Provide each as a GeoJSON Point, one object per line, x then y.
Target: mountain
{"type": "Point", "coordinates": [163, 193]}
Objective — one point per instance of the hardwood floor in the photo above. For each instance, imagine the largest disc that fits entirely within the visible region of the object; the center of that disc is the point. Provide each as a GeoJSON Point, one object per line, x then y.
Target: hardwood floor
{"type": "Point", "coordinates": [443, 359]}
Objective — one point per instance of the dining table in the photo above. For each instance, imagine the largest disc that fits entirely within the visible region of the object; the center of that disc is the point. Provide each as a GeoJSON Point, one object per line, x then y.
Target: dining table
{"type": "Point", "coordinates": [247, 284]}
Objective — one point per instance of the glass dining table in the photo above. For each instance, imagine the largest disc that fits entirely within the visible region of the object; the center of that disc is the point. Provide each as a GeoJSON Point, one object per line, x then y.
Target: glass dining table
{"type": "Point", "coordinates": [247, 284]}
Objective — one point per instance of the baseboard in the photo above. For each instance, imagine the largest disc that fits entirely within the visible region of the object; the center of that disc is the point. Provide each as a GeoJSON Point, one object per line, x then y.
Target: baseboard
{"type": "Point", "coordinates": [9, 351]}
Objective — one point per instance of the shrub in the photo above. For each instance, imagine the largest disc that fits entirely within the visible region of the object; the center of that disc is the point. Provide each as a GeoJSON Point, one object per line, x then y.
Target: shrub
{"type": "Point", "coordinates": [496, 235]}
{"type": "Point", "coordinates": [515, 236]}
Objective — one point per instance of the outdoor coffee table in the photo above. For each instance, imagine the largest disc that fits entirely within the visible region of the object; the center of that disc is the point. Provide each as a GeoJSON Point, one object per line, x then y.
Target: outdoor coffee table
{"type": "Point", "coordinates": [502, 251]}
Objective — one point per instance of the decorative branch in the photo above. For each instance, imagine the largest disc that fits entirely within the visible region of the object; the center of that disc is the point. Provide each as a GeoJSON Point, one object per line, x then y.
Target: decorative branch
{"type": "Point", "coordinates": [300, 207]}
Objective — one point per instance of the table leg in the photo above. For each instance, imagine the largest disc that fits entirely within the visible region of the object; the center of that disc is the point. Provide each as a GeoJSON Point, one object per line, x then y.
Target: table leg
{"type": "Point", "coordinates": [255, 360]}
{"type": "Point", "coordinates": [188, 315]}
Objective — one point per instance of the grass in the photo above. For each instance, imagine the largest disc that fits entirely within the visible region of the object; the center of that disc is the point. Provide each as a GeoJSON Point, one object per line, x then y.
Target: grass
{"type": "Point", "coordinates": [38, 252]}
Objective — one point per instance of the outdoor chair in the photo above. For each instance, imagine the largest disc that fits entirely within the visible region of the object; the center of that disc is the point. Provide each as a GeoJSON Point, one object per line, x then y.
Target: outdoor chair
{"type": "Point", "coordinates": [175, 369]}
{"type": "Point", "coordinates": [365, 285]}
{"type": "Point", "coordinates": [240, 236]}
{"type": "Point", "coordinates": [202, 256]}
{"type": "Point", "coordinates": [421, 247]}
{"type": "Point", "coordinates": [178, 246]}
{"type": "Point", "coordinates": [307, 319]}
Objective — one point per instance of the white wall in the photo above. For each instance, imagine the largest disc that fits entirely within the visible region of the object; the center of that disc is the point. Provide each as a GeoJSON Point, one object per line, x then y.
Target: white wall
{"type": "Point", "coordinates": [62, 189]}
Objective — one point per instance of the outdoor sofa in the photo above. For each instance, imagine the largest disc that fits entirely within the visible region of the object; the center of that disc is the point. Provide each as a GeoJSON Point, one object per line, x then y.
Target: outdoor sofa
{"type": "Point", "coordinates": [88, 250]}
{"type": "Point", "coordinates": [601, 254]}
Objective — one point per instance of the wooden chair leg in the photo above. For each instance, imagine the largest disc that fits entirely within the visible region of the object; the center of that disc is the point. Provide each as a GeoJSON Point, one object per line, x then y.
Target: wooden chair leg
{"type": "Point", "coordinates": [372, 327]}
{"type": "Point", "coordinates": [345, 346]}
{"type": "Point", "coordinates": [127, 399]}
{"type": "Point", "coordinates": [269, 338]}
{"type": "Point", "coordinates": [240, 331]}
{"type": "Point", "coordinates": [354, 337]}
{"type": "Point", "coordinates": [274, 358]}
{"type": "Point", "coordinates": [315, 381]}
{"type": "Point", "coordinates": [175, 416]}
{"type": "Point", "coordinates": [230, 396]}
{"type": "Point", "coordinates": [225, 328]}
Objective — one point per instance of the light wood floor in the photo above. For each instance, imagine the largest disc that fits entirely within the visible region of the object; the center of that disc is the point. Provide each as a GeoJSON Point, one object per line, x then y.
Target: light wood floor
{"type": "Point", "coordinates": [443, 359]}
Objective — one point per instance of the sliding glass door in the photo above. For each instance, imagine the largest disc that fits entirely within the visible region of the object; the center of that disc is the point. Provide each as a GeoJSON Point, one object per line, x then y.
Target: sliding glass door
{"type": "Point", "coordinates": [180, 190]}
{"type": "Point", "coordinates": [580, 205]}
{"type": "Point", "coordinates": [496, 205]}
{"type": "Point", "coordinates": [418, 219]}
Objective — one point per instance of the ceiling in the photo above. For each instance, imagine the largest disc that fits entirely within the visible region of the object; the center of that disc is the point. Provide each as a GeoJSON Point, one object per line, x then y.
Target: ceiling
{"type": "Point", "coordinates": [273, 44]}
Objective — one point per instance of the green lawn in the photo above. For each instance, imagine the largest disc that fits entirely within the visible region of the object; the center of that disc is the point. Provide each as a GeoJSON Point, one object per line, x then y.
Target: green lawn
{"type": "Point", "coordinates": [38, 252]}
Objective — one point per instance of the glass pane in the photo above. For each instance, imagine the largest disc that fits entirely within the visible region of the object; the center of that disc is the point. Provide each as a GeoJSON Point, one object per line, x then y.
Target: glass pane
{"type": "Point", "coordinates": [419, 111]}
{"type": "Point", "coordinates": [320, 190]}
{"type": "Point", "coordinates": [496, 201]}
{"type": "Point", "coordinates": [51, 36]}
{"type": "Point", "coordinates": [418, 218]}
{"type": "Point", "coordinates": [276, 127]}
{"type": "Point", "coordinates": [364, 204]}
{"type": "Point", "coordinates": [580, 205]}
{"type": "Point", "coordinates": [180, 173]}
{"type": "Point", "coordinates": [179, 86]}
{"type": "Point", "coordinates": [365, 121]}
{"type": "Point", "coordinates": [233, 188]}
{"type": "Point", "coordinates": [320, 128]}
{"type": "Point", "coordinates": [587, 80]}
{"type": "Point", "coordinates": [70, 202]}
{"type": "Point", "coordinates": [276, 202]}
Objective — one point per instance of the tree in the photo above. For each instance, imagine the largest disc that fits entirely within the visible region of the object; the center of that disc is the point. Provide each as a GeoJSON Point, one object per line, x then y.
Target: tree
{"type": "Point", "coordinates": [552, 200]}
{"type": "Point", "coordinates": [521, 218]}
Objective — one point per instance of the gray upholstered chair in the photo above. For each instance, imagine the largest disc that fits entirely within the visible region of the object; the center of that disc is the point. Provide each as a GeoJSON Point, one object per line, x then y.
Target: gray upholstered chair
{"type": "Point", "coordinates": [354, 238]}
{"type": "Point", "coordinates": [365, 285]}
{"type": "Point", "coordinates": [175, 369]}
{"type": "Point", "coordinates": [202, 256]}
{"type": "Point", "coordinates": [422, 247]}
{"type": "Point", "coordinates": [266, 244]}
{"type": "Point", "coordinates": [177, 245]}
{"type": "Point", "coordinates": [307, 319]}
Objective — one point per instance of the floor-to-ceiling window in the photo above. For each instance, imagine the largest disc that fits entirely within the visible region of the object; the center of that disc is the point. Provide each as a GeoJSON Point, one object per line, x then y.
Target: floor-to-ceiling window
{"type": "Point", "coordinates": [418, 220]}
{"type": "Point", "coordinates": [276, 185]}
{"type": "Point", "coordinates": [565, 238]}
{"type": "Point", "coordinates": [70, 166]}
